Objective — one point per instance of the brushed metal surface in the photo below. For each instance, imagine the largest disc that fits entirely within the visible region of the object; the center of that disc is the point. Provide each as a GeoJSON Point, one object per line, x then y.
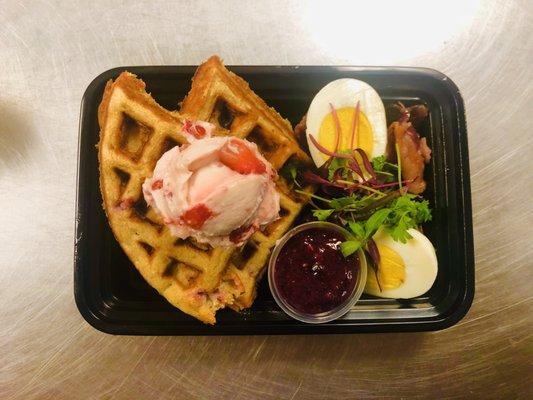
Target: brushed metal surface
{"type": "Point", "coordinates": [49, 52]}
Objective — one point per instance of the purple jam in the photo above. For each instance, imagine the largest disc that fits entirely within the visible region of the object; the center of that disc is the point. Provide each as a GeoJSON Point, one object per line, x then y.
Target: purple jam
{"type": "Point", "coordinates": [311, 274]}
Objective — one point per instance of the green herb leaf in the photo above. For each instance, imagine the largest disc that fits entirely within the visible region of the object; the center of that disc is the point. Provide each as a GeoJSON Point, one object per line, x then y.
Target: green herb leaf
{"type": "Point", "coordinates": [406, 213]}
{"type": "Point", "coordinates": [399, 230]}
{"type": "Point", "coordinates": [290, 172]}
{"type": "Point", "coordinates": [341, 202]}
{"type": "Point", "coordinates": [335, 164]}
{"type": "Point", "coordinates": [349, 247]}
{"type": "Point", "coordinates": [293, 172]}
{"type": "Point", "coordinates": [352, 203]}
{"type": "Point", "coordinates": [358, 229]}
{"type": "Point", "coordinates": [322, 215]}
{"type": "Point", "coordinates": [386, 170]}
{"type": "Point", "coordinates": [377, 219]}
{"type": "Point", "coordinates": [423, 212]}
{"type": "Point", "coordinates": [378, 163]}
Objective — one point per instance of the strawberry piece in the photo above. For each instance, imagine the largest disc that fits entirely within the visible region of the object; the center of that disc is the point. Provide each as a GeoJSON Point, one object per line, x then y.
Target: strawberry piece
{"type": "Point", "coordinates": [200, 132]}
{"type": "Point", "coordinates": [158, 184]}
{"type": "Point", "coordinates": [126, 203]}
{"type": "Point", "coordinates": [236, 235]}
{"type": "Point", "coordinates": [187, 125]}
{"type": "Point", "coordinates": [194, 129]}
{"type": "Point", "coordinates": [195, 217]}
{"type": "Point", "coordinates": [235, 154]}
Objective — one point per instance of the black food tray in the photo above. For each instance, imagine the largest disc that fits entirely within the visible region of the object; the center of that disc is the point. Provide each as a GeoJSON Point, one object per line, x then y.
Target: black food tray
{"type": "Point", "coordinates": [113, 297]}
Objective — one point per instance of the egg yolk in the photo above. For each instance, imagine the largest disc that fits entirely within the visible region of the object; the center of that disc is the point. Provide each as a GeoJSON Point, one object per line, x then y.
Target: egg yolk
{"type": "Point", "coordinates": [364, 134]}
{"type": "Point", "coordinates": [391, 270]}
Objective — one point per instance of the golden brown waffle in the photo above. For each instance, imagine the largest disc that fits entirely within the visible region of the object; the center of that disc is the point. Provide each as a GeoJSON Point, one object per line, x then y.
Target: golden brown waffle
{"type": "Point", "coordinates": [224, 99]}
{"type": "Point", "coordinates": [134, 132]}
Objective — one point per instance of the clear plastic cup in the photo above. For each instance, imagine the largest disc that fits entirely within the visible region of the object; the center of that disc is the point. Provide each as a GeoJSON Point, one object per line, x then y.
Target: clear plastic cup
{"type": "Point", "coordinates": [326, 316]}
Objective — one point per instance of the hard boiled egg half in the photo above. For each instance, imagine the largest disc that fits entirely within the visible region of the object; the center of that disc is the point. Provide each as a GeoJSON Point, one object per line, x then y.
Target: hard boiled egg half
{"type": "Point", "coordinates": [406, 270]}
{"type": "Point", "coordinates": [341, 97]}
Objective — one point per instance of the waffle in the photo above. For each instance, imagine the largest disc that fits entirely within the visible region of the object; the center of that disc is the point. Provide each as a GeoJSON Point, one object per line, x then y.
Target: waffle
{"type": "Point", "coordinates": [224, 99]}
{"type": "Point", "coordinates": [134, 132]}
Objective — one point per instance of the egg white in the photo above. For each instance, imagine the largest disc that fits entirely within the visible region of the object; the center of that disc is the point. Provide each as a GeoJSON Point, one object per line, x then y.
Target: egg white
{"type": "Point", "coordinates": [346, 93]}
{"type": "Point", "coordinates": [420, 260]}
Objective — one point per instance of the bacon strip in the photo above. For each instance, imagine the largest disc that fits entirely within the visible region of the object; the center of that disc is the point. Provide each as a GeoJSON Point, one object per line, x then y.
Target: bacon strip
{"type": "Point", "coordinates": [414, 153]}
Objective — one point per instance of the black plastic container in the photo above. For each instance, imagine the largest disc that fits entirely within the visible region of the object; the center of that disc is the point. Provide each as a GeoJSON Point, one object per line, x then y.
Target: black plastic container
{"type": "Point", "coordinates": [113, 297]}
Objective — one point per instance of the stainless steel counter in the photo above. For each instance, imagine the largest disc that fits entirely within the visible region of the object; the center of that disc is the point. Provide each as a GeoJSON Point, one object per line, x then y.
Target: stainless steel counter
{"type": "Point", "coordinates": [49, 52]}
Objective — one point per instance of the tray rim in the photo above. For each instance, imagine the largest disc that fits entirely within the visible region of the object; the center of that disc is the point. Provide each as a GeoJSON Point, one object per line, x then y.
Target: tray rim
{"type": "Point", "coordinates": [294, 327]}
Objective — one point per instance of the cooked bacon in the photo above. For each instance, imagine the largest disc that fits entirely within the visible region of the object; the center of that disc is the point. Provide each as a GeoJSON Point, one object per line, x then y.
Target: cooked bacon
{"type": "Point", "coordinates": [414, 114]}
{"type": "Point", "coordinates": [425, 150]}
{"type": "Point", "coordinates": [300, 128]}
{"type": "Point", "coordinates": [414, 153]}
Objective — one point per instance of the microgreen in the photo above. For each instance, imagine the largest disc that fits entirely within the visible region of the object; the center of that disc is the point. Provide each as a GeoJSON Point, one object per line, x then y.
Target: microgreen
{"type": "Point", "coordinates": [355, 125]}
{"type": "Point", "coordinates": [378, 163]}
{"type": "Point", "coordinates": [397, 147]}
{"type": "Point", "coordinates": [338, 132]}
{"type": "Point", "coordinates": [290, 172]}
{"type": "Point", "coordinates": [322, 215]}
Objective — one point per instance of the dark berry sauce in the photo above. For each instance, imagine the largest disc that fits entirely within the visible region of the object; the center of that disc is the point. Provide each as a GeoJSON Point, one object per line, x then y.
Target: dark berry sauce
{"type": "Point", "coordinates": [311, 273]}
